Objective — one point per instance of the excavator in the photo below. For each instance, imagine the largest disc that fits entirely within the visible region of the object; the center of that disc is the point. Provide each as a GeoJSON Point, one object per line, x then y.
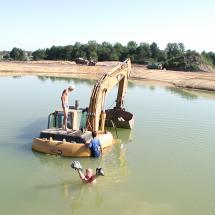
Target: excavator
{"type": "Point", "coordinates": [82, 121]}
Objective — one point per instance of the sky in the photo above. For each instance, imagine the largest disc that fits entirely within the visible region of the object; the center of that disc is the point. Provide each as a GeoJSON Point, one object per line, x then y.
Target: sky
{"type": "Point", "coordinates": [31, 25]}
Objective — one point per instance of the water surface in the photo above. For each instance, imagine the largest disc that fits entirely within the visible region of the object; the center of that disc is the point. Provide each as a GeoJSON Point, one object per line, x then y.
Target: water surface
{"type": "Point", "coordinates": [165, 166]}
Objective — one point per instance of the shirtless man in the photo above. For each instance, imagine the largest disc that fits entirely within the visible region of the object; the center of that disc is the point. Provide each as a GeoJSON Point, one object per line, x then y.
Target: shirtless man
{"type": "Point", "coordinates": [65, 104]}
{"type": "Point", "coordinates": [89, 176]}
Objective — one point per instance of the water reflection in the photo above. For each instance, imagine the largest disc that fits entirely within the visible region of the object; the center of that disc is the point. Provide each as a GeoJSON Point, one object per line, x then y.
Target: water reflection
{"type": "Point", "coordinates": [85, 194]}
{"type": "Point", "coordinates": [78, 194]}
{"type": "Point", "coordinates": [182, 93]}
{"type": "Point", "coordinates": [17, 76]}
{"type": "Point", "coordinates": [131, 85]}
{"type": "Point", "coordinates": [189, 94]}
{"type": "Point", "coordinates": [121, 135]}
{"type": "Point", "coordinates": [152, 88]}
{"type": "Point", "coordinates": [33, 129]}
{"type": "Point", "coordinates": [77, 80]}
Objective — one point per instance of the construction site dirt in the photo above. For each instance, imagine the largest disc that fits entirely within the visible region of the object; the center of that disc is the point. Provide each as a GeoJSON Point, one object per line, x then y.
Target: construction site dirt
{"type": "Point", "coordinates": [67, 69]}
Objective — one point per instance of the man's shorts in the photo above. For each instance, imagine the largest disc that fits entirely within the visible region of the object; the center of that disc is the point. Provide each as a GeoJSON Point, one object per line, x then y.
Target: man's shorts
{"type": "Point", "coordinates": [66, 106]}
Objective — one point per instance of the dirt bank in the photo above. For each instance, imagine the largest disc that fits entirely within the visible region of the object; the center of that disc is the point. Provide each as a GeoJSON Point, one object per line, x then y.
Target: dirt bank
{"type": "Point", "coordinates": [195, 80]}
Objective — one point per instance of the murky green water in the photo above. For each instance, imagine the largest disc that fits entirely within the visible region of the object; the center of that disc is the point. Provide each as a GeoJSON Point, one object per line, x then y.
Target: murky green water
{"type": "Point", "coordinates": [165, 166]}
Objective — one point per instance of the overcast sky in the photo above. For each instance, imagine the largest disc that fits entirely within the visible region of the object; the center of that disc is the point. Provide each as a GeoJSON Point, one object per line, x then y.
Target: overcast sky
{"type": "Point", "coordinates": [31, 25]}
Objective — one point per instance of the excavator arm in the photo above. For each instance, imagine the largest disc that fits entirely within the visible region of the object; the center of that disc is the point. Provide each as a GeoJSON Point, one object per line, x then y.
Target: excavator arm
{"type": "Point", "coordinates": [104, 85]}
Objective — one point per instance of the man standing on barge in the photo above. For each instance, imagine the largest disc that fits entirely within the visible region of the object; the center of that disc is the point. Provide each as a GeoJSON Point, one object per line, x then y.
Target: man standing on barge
{"type": "Point", "coordinates": [65, 104]}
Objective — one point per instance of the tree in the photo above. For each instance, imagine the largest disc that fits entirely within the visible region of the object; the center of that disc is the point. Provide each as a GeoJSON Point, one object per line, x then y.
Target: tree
{"type": "Point", "coordinates": [124, 54]}
{"type": "Point", "coordinates": [174, 56]}
{"type": "Point", "coordinates": [188, 61]}
{"type": "Point", "coordinates": [181, 47]}
{"type": "Point", "coordinates": [192, 60]}
{"type": "Point", "coordinates": [67, 52]}
{"type": "Point", "coordinates": [131, 47]}
{"type": "Point", "coordinates": [155, 51]}
{"type": "Point", "coordinates": [52, 53]}
{"type": "Point", "coordinates": [56, 53]}
{"type": "Point", "coordinates": [77, 51]}
{"type": "Point", "coordinates": [174, 49]}
{"type": "Point", "coordinates": [18, 54]}
{"type": "Point", "coordinates": [91, 50]}
{"type": "Point", "coordinates": [104, 51]}
{"type": "Point", "coordinates": [39, 54]}
{"type": "Point", "coordinates": [162, 56]}
{"type": "Point", "coordinates": [209, 57]}
{"type": "Point", "coordinates": [6, 56]}
{"type": "Point", "coordinates": [143, 53]}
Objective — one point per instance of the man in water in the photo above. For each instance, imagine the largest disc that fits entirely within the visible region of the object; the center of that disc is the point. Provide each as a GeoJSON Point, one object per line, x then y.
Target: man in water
{"type": "Point", "coordinates": [95, 145]}
{"type": "Point", "coordinates": [89, 177]}
{"type": "Point", "coordinates": [65, 104]}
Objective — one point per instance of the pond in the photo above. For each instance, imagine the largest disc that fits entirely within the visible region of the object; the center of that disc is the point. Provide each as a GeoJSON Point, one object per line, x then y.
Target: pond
{"type": "Point", "coordinates": [164, 166]}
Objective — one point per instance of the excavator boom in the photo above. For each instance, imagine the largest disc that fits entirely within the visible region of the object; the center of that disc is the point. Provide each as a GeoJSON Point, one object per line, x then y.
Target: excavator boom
{"type": "Point", "coordinates": [119, 75]}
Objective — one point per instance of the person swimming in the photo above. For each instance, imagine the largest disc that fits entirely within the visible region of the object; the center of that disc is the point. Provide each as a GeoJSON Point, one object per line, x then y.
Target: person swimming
{"type": "Point", "coordinates": [89, 176]}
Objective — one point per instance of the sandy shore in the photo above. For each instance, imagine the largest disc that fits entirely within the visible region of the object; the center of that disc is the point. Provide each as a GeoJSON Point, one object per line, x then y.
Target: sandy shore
{"type": "Point", "coordinates": [194, 80]}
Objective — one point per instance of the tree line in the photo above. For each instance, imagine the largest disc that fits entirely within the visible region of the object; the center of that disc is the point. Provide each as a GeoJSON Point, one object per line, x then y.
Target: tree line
{"type": "Point", "coordinates": [174, 56]}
